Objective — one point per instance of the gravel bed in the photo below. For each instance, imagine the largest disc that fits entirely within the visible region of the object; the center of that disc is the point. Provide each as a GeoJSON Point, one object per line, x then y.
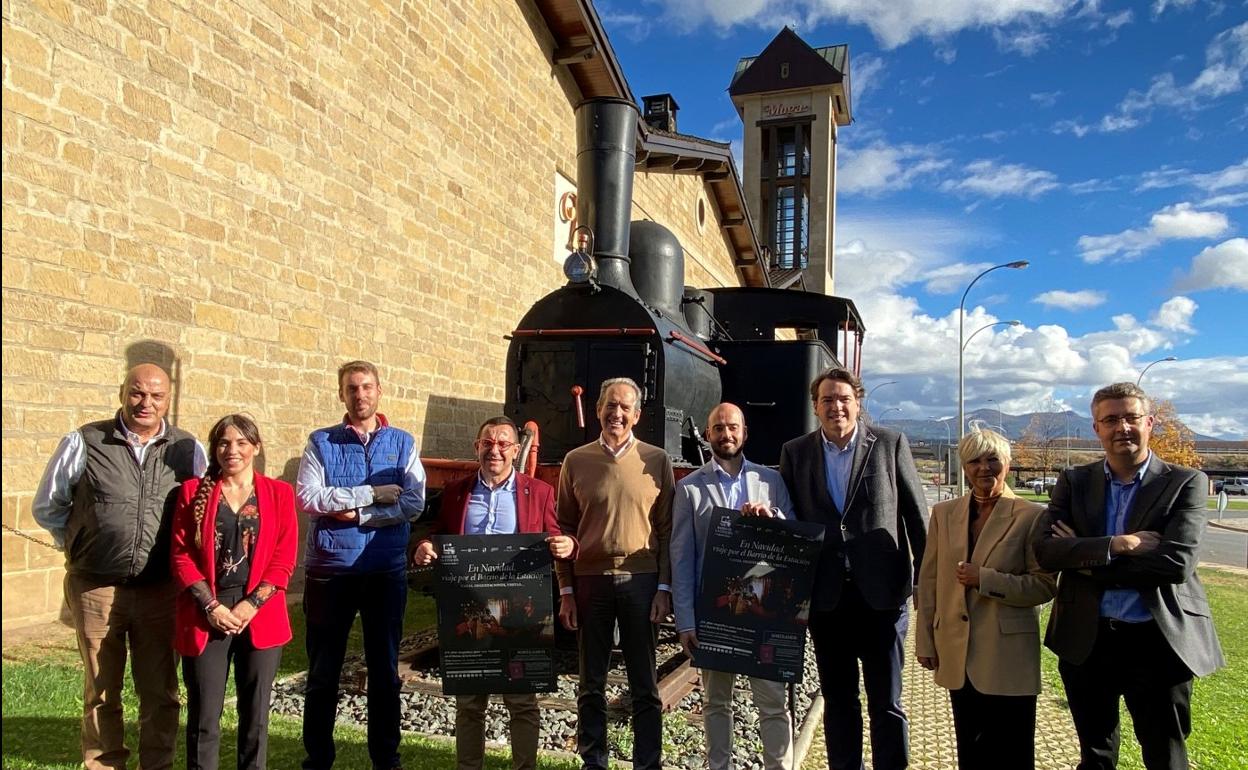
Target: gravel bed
{"type": "Point", "coordinates": [684, 739]}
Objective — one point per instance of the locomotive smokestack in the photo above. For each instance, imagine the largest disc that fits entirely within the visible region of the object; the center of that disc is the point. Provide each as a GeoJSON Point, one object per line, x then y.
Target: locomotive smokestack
{"type": "Point", "coordinates": [606, 137]}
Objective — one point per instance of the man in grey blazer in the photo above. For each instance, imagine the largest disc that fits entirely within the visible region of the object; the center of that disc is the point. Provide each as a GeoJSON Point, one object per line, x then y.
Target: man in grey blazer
{"type": "Point", "coordinates": [1131, 620]}
{"type": "Point", "coordinates": [728, 480]}
{"type": "Point", "coordinates": [861, 483]}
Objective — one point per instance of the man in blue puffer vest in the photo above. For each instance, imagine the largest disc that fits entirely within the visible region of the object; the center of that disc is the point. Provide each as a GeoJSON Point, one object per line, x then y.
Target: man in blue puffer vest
{"type": "Point", "coordinates": [361, 484]}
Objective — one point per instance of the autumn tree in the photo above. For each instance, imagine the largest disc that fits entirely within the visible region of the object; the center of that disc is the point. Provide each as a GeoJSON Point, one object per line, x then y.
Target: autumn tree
{"type": "Point", "coordinates": [1173, 441]}
{"type": "Point", "coordinates": [1040, 443]}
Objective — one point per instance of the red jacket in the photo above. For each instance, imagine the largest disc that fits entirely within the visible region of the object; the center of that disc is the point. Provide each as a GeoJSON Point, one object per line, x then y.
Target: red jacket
{"type": "Point", "coordinates": [273, 560]}
{"type": "Point", "coordinates": [535, 507]}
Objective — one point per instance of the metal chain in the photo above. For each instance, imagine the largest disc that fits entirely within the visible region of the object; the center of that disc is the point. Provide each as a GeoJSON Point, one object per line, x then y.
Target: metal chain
{"type": "Point", "coordinates": [31, 538]}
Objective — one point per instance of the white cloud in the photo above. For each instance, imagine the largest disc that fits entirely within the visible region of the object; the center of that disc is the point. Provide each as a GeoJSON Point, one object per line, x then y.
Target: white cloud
{"type": "Point", "coordinates": [1071, 300]}
{"type": "Point", "coordinates": [893, 23]}
{"type": "Point", "coordinates": [1046, 98]}
{"type": "Point", "coordinates": [1159, 6]}
{"type": "Point", "coordinates": [1224, 266]}
{"type": "Point", "coordinates": [1175, 314]}
{"type": "Point", "coordinates": [881, 167]}
{"type": "Point", "coordinates": [1226, 67]}
{"type": "Point", "coordinates": [1027, 42]}
{"type": "Point", "coordinates": [1234, 175]}
{"type": "Point", "coordinates": [919, 349]}
{"type": "Point", "coordinates": [992, 180]}
{"type": "Point", "coordinates": [1181, 220]}
{"type": "Point", "coordinates": [866, 75]}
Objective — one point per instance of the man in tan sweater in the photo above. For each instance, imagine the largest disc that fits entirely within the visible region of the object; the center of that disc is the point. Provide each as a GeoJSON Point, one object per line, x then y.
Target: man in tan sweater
{"type": "Point", "coordinates": [615, 498]}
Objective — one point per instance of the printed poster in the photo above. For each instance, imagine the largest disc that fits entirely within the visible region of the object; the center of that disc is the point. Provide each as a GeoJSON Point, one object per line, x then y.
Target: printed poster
{"type": "Point", "coordinates": [496, 622]}
{"type": "Point", "coordinates": [754, 605]}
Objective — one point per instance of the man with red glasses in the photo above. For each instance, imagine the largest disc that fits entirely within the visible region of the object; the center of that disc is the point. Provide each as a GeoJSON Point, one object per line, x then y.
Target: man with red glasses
{"type": "Point", "coordinates": [498, 500]}
{"type": "Point", "coordinates": [1131, 620]}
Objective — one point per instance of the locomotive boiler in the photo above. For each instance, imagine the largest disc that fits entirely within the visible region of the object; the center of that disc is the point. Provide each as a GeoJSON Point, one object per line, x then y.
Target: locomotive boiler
{"type": "Point", "coordinates": [626, 313]}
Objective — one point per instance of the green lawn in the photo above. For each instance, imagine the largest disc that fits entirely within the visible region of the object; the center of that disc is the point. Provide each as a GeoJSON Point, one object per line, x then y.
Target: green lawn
{"type": "Point", "coordinates": [42, 700]}
{"type": "Point", "coordinates": [1231, 504]}
{"type": "Point", "coordinates": [1219, 708]}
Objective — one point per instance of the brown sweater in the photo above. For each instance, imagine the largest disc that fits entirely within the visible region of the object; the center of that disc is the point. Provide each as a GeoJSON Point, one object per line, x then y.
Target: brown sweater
{"type": "Point", "coordinates": [619, 510]}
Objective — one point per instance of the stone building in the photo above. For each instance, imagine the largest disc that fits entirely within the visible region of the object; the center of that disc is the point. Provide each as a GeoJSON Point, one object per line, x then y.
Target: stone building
{"type": "Point", "coordinates": [251, 192]}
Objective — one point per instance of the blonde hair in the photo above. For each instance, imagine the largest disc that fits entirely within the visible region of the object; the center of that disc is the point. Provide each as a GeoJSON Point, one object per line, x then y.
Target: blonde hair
{"type": "Point", "coordinates": [978, 443]}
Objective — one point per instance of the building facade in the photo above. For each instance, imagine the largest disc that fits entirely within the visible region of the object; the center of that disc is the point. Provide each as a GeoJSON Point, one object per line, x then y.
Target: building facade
{"type": "Point", "coordinates": [251, 192]}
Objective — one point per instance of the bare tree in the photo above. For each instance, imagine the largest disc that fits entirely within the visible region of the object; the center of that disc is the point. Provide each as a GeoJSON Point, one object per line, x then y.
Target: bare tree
{"type": "Point", "coordinates": [1041, 441]}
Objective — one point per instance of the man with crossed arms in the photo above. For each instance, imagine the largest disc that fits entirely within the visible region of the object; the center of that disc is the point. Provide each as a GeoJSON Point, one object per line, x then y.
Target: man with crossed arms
{"type": "Point", "coordinates": [728, 480]}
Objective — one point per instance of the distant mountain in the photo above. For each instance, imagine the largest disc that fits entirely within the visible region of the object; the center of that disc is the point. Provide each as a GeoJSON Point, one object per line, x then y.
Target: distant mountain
{"type": "Point", "coordinates": [1012, 426]}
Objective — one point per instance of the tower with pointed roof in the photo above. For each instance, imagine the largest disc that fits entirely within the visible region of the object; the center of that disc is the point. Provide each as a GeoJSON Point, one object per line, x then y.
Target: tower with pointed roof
{"type": "Point", "coordinates": [792, 98]}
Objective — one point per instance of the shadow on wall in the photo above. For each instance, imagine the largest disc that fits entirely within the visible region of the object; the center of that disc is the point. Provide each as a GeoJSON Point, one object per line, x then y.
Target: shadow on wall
{"type": "Point", "coordinates": [157, 352]}
{"type": "Point", "coordinates": [451, 425]}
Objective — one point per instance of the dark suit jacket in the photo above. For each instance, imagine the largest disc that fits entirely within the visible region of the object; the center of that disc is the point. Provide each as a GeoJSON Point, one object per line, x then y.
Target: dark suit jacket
{"type": "Point", "coordinates": [885, 511]}
{"type": "Point", "coordinates": [1171, 501]}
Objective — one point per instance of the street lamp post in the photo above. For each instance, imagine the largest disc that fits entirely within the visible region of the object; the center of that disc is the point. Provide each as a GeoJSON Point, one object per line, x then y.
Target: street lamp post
{"type": "Point", "coordinates": [988, 326]}
{"type": "Point", "coordinates": [886, 411]}
{"type": "Point", "coordinates": [866, 402]}
{"type": "Point", "coordinates": [944, 464]}
{"type": "Point", "coordinates": [1150, 366]}
{"type": "Point", "coordinates": [1000, 418]}
{"type": "Point", "coordinates": [1016, 265]}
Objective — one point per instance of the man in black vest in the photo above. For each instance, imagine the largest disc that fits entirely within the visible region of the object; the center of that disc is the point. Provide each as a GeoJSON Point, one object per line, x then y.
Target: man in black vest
{"type": "Point", "coordinates": [107, 498]}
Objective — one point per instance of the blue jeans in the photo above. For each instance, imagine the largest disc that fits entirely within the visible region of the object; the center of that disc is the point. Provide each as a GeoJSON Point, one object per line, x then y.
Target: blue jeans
{"type": "Point", "coordinates": [330, 603]}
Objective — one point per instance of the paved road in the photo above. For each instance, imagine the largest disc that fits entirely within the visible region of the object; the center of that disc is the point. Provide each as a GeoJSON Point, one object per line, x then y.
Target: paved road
{"type": "Point", "coordinates": [1219, 546]}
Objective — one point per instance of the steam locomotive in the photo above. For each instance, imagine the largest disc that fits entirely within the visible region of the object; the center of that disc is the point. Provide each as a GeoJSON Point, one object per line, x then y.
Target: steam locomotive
{"type": "Point", "coordinates": [626, 313]}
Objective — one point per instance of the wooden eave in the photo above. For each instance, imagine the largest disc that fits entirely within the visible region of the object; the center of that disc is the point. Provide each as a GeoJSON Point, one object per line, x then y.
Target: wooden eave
{"type": "Point", "coordinates": [677, 154]}
{"type": "Point", "coordinates": [582, 46]}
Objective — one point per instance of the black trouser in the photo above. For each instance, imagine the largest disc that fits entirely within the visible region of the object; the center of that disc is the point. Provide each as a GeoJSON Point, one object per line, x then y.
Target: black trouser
{"type": "Point", "coordinates": [331, 603]}
{"type": "Point", "coordinates": [853, 632]}
{"type": "Point", "coordinates": [995, 732]}
{"type": "Point", "coordinates": [205, 676]}
{"type": "Point", "coordinates": [1132, 661]}
{"type": "Point", "coordinates": [601, 601]}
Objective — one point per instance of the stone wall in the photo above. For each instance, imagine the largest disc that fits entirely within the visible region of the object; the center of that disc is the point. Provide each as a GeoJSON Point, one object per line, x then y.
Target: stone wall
{"type": "Point", "coordinates": [253, 191]}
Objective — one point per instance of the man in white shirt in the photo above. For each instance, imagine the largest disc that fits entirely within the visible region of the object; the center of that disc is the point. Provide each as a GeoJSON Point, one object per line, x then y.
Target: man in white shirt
{"type": "Point", "coordinates": [728, 480]}
{"type": "Point", "coordinates": [107, 498]}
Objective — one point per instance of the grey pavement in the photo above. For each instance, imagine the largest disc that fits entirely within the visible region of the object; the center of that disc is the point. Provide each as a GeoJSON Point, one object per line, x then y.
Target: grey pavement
{"type": "Point", "coordinates": [932, 745]}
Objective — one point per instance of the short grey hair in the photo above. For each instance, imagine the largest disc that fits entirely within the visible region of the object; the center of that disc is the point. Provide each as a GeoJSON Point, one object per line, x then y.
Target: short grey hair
{"type": "Point", "coordinates": [1121, 390]}
{"type": "Point", "coordinates": [613, 381]}
{"type": "Point", "coordinates": [978, 443]}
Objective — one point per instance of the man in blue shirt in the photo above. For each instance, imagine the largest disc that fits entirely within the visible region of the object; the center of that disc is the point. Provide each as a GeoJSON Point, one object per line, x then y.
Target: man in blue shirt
{"type": "Point", "coordinates": [728, 480]}
{"type": "Point", "coordinates": [860, 481]}
{"type": "Point", "coordinates": [361, 483]}
{"type": "Point", "coordinates": [498, 500]}
{"type": "Point", "coordinates": [1131, 621]}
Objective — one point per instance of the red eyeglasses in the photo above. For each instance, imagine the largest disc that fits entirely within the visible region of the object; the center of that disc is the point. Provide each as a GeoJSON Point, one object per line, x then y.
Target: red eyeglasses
{"type": "Point", "coordinates": [487, 444]}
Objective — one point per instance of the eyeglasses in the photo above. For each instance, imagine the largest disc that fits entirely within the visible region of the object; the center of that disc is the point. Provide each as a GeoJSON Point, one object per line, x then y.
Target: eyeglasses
{"type": "Point", "coordinates": [1112, 420]}
{"type": "Point", "coordinates": [488, 445]}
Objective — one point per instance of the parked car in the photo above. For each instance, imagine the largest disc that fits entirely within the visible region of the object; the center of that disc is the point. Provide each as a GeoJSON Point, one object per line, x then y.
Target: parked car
{"type": "Point", "coordinates": [1236, 486]}
{"type": "Point", "coordinates": [1039, 486]}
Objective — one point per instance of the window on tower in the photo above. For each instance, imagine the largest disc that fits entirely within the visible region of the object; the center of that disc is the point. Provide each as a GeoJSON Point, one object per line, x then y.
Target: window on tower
{"type": "Point", "coordinates": [785, 181]}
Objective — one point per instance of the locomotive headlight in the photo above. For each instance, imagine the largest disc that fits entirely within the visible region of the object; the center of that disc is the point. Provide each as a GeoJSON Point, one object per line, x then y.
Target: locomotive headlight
{"type": "Point", "coordinates": [580, 267]}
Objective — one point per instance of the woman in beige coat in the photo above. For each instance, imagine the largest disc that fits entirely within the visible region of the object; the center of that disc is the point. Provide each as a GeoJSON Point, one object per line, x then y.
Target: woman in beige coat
{"type": "Point", "coordinates": [979, 588]}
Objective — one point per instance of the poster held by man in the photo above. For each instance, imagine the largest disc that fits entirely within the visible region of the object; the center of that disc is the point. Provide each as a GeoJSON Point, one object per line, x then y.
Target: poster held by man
{"type": "Point", "coordinates": [495, 615]}
{"type": "Point", "coordinates": [755, 598]}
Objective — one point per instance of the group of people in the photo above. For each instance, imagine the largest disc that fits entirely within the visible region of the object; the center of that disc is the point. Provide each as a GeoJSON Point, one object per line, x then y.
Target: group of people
{"type": "Point", "coordinates": [177, 550]}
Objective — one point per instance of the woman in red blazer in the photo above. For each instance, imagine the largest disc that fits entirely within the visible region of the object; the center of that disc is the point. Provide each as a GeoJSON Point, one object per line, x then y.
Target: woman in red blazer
{"type": "Point", "coordinates": [235, 538]}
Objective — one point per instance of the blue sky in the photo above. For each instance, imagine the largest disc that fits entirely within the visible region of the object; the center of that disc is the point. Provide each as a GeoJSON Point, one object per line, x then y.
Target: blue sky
{"type": "Point", "coordinates": [1106, 142]}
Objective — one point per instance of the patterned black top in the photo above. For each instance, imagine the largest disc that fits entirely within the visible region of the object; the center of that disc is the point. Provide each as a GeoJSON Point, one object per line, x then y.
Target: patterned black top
{"type": "Point", "coordinates": [236, 542]}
